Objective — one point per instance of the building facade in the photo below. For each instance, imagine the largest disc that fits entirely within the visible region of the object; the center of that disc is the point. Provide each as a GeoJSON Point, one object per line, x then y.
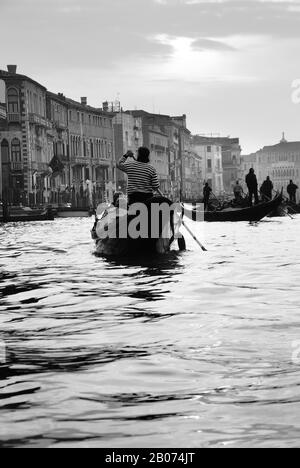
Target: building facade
{"type": "Point", "coordinates": [210, 153]}
{"type": "Point", "coordinates": [53, 150]}
{"type": "Point", "coordinates": [281, 162]}
{"type": "Point", "coordinates": [231, 161]}
{"type": "Point", "coordinates": [24, 138]}
{"type": "Point", "coordinates": [247, 162]}
{"type": "Point", "coordinates": [128, 136]}
{"type": "Point", "coordinates": [172, 155]}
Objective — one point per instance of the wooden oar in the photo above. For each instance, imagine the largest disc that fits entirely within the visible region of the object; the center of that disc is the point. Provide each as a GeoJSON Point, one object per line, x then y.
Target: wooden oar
{"type": "Point", "coordinates": [193, 236]}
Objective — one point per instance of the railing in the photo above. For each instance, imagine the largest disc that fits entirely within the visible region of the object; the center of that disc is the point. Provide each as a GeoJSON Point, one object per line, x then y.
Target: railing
{"type": "Point", "coordinates": [60, 125]}
{"type": "Point", "coordinates": [79, 160]}
{"type": "Point", "coordinates": [13, 118]}
{"type": "Point", "coordinates": [39, 166]}
{"type": "Point", "coordinates": [39, 121]}
{"type": "Point", "coordinates": [89, 161]}
{"type": "Point", "coordinates": [16, 166]}
{"type": "Point", "coordinates": [160, 148]}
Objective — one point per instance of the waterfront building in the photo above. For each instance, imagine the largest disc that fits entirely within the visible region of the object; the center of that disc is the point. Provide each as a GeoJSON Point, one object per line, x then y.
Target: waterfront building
{"type": "Point", "coordinates": [169, 141]}
{"type": "Point", "coordinates": [158, 144]}
{"type": "Point", "coordinates": [247, 162]}
{"type": "Point", "coordinates": [91, 151]}
{"type": "Point", "coordinates": [24, 137]}
{"type": "Point", "coordinates": [210, 153]}
{"type": "Point", "coordinates": [280, 161]}
{"type": "Point", "coordinates": [128, 136]}
{"type": "Point", "coordinates": [231, 161]}
{"type": "Point", "coordinates": [53, 149]}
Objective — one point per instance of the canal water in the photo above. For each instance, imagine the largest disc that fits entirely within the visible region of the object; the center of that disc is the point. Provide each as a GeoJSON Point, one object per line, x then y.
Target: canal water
{"type": "Point", "coordinates": [191, 350]}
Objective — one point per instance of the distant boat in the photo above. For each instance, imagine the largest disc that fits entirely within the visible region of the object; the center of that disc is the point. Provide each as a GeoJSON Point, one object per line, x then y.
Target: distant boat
{"type": "Point", "coordinates": [70, 212]}
{"type": "Point", "coordinates": [25, 215]}
{"type": "Point", "coordinates": [251, 214]}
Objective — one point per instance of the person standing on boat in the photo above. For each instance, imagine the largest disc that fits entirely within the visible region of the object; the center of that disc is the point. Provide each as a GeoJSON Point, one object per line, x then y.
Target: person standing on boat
{"type": "Point", "coordinates": [292, 190]}
{"type": "Point", "coordinates": [142, 177]}
{"type": "Point", "coordinates": [267, 189]}
{"type": "Point", "coordinates": [252, 184]}
{"type": "Point", "coordinates": [206, 193]}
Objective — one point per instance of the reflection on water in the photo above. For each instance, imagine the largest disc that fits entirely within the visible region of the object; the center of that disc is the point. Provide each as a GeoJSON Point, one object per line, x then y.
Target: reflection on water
{"type": "Point", "coordinates": [188, 350]}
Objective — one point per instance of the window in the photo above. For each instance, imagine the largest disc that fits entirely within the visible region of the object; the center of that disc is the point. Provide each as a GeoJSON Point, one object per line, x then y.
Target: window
{"type": "Point", "coordinates": [209, 164]}
{"type": "Point", "coordinates": [92, 149]}
{"type": "Point", "coordinates": [4, 151]}
{"type": "Point", "coordinates": [13, 101]}
{"type": "Point", "coordinates": [209, 149]}
{"type": "Point", "coordinates": [16, 150]}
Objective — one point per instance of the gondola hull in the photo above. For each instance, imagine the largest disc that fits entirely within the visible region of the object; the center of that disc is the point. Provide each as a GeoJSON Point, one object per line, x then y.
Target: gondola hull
{"type": "Point", "coordinates": [30, 217]}
{"type": "Point", "coordinates": [252, 214]}
{"type": "Point", "coordinates": [114, 246]}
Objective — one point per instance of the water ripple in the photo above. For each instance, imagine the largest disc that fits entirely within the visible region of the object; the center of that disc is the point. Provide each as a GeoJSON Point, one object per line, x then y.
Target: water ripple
{"type": "Point", "coordinates": [189, 350]}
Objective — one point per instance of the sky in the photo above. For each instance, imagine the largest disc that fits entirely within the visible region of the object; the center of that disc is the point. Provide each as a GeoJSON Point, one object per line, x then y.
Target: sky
{"type": "Point", "coordinates": [228, 65]}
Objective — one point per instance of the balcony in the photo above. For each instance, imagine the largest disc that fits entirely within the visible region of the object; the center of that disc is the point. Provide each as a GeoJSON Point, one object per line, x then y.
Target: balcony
{"type": "Point", "coordinates": [163, 149]}
{"type": "Point", "coordinates": [63, 158]}
{"type": "Point", "coordinates": [16, 167]}
{"type": "Point", "coordinates": [79, 161]}
{"type": "Point", "coordinates": [39, 121]}
{"type": "Point", "coordinates": [39, 167]}
{"type": "Point", "coordinates": [13, 118]}
{"type": "Point", "coordinates": [59, 125]}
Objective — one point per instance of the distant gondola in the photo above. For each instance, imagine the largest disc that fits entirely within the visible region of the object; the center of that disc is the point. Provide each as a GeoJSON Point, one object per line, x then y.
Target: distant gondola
{"type": "Point", "coordinates": [251, 214]}
{"type": "Point", "coordinates": [30, 216]}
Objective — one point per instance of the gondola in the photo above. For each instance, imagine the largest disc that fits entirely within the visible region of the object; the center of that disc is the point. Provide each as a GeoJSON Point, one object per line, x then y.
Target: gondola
{"type": "Point", "coordinates": [115, 246]}
{"type": "Point", "coordinates": [251, 214]}
{"type": "Point", "coordinates": [28, 216]}
{"type": "Point", "coordinates": [293, 208]}
{"type": "Point", "coordinates": [281, 212]}
{"type": "Point", "coordinates": [70, 212]}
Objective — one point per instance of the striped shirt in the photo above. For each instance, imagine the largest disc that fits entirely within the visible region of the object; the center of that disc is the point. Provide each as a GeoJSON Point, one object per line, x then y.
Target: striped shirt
{"type": "Point", "coordinates": [142, 177]}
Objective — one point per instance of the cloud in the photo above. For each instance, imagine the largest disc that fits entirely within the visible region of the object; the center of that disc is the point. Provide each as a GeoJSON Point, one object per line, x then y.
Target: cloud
{"type": "Point", "coordinates": [202, 44]}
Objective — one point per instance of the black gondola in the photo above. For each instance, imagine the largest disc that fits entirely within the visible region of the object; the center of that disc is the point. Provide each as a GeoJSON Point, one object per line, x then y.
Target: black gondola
{"type": "Point", "coordinates": [251, 214]}
{"type": "Point", "coordinates": [108, 246]}
{"type": "Point", "coordinates": [30, 216]}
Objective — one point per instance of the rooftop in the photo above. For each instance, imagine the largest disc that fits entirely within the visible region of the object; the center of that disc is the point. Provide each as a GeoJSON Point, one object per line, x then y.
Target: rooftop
{"type": "Point", "coordinates": [282, 147]}
{"type": "Point", "coordinates": [4, 75]}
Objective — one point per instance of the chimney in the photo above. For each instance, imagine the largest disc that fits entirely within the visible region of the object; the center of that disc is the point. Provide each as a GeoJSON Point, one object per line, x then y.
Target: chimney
{"type": "Point", "coordinates": [84, 101]}
{"type": "Point", "coordinates": [12, 69]}
{"type": "Point", "coordinates": [105, 106]}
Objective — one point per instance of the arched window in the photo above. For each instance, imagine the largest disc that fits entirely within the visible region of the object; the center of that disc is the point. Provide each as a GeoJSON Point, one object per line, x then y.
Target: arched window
{"type": "Point", "coordinates": [16, 150]}
{"type": "Point", "coordinates": [5, 152]}
{"type": "Point", "coordinates": [13, 101]}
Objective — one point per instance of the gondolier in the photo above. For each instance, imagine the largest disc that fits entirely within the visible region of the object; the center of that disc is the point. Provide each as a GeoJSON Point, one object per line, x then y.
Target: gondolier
{"type": "Point", "coordinates": [292, 190]}
{"type": "Point", "coordinates": [266, 189]}
{"type": "Point", "coordinates": [252, 184]}
{"type": "Point", "coordinates": [142, 176]}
